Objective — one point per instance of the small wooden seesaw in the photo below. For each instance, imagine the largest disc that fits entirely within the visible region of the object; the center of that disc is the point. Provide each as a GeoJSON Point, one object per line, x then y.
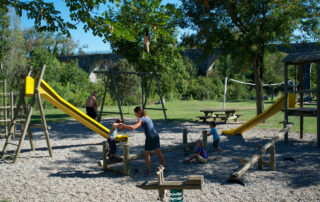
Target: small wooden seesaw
{"type": "Point", "coordinates": [176, 187]}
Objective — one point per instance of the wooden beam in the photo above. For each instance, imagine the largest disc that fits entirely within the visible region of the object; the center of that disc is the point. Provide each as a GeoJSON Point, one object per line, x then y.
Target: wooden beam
{"type": "Point", "coordinates": [236, 175]}
{"type": "Point", "coordinates": [318, 103]}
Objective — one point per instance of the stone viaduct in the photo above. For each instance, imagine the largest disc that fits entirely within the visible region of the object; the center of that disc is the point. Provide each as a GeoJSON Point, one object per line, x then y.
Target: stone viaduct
{"type": "Point", "coordinates": [91, 62]}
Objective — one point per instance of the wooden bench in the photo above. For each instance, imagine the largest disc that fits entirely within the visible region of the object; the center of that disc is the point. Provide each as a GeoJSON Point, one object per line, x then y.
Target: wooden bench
{"type": "Point", "coordinates": [204, 118]}
{"type": "Point", "coordinates": [224, 118]}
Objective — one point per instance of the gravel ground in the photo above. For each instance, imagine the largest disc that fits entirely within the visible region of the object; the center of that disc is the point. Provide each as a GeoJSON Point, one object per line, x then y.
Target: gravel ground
{"type": "Point", "coordinates": [72, 174]}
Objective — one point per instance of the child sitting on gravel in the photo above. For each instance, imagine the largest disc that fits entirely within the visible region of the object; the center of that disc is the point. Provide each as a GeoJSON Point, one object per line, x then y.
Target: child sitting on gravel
{"type": "Point", "coordinates": [201, 154]}
{"type": "Point", "coordinates": [112, 141]}
{"type": "Point", "coordinates": [216, 137]}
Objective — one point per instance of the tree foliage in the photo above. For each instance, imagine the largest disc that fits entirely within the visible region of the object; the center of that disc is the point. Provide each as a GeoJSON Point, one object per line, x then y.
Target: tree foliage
{"type": "Point", "coordinates": [245, 29]}
{"type": "Point", "coordinates": [44, 14]}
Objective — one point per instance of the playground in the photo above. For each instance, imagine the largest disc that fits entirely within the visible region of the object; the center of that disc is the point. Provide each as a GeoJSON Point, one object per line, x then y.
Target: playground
{"type": "Point", "coordinates": [72, 174]}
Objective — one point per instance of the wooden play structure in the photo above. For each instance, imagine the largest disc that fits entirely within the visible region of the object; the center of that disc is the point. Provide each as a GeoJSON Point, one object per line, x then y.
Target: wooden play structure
{"type": "Point", "coordinates": [300, 60]}
{"type": "Point", "coordinates": [176, 187]}
{"type": "Point", "coordinates": [258, 157]}
{"type": "Point", "coordinates": [126, 158]}
{"type": "Point", "coordinates": [25, 111]}
{"type": "Point", "coordinates": [148, 76]}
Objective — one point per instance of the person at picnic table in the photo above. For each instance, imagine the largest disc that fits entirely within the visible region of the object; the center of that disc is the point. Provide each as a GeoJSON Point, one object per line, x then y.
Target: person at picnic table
{"type": "Point", "coordinates": [200, 155]}
{"type": "Point", "coordinates": [152, 141]}
{"type": "Point", "coordinates": [92, 105]}
{"type": "Point", "coordinates": [216, 137]}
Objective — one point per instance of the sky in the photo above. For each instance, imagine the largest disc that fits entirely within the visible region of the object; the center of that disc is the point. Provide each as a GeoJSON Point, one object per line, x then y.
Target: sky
{"type": "Point", "coordinates": [95, 44]}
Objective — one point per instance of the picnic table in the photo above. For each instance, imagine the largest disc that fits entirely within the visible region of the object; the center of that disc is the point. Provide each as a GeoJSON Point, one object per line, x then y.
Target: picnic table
{"type": "Point", "coordinates": [223, 115]}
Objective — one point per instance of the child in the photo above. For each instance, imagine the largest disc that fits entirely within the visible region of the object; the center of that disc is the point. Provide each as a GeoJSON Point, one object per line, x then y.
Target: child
{"type": "Point", "coordinates": [152, 141]}
{"type": "Point", "coordinates": [201, 154]}
{"type": "Point", "coordinates": [112, 141]}
{"type": "Point", "coordinates": [216, 137]}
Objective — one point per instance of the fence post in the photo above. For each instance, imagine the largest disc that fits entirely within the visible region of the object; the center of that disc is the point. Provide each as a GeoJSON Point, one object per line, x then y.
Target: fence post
{"type": "Point", "coordinates": [104, 154]}
{"type": "Point", "coordinates": [272, 150]}
{"type": "Point", "coordinates": [126, 159]}
{"type": "Point", "coordinates": [260, 161]}
{"type": "Point", "coordinates": [184, 139]}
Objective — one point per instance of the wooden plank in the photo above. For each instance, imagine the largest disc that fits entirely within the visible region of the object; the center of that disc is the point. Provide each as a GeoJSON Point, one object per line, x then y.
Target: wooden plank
{"type": "Point", "coordinates": [168, 185]}
{"type": "Point", "coordinates": [195, 179]}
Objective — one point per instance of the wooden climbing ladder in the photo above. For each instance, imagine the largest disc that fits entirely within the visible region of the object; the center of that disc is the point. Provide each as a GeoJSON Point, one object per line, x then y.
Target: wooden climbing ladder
{"type": "Point", "coordinates": [22, 108]}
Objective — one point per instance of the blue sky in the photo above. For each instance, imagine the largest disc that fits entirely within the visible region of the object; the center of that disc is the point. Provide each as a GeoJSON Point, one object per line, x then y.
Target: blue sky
{"type": "Point", "coordinates": [94, 43]}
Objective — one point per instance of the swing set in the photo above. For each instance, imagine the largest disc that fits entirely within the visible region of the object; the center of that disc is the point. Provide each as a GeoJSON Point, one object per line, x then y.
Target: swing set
{"type": "Point", "coordinates": [149, 76]}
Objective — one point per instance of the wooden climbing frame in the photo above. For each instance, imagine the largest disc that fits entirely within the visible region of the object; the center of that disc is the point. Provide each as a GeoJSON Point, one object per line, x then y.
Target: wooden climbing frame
{"type": "Point", "coordinates": [27, 110]}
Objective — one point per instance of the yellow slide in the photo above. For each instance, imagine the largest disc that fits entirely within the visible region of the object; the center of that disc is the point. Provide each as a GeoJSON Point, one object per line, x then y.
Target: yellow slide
{"type": "Point", "coordinates": [273, 109]}
{"type": "Point", "coordinates": [51, 96]}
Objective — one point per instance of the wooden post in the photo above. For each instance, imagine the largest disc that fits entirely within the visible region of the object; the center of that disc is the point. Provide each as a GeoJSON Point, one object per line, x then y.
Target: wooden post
{"type": "Point", "coordinates": [26, 114]}
{"type": "Point", "coordinates": [44, 123]}
{"type": "Point", "coordinates": [12, 108]}
{"type": "Point", "coordinates": [272, 150]}
{"type": "Point", "coordinates": [160, 95]}
{"type": "Point", "coordinates": [204, 139]}
{"type": "Point", "coordinates": [143, 97]}
{"type": "Point", "coordinates": [147, 93]}
{"type": "Point", "coordinates": [160, 181]}
{"type": "Point", "coordinates": [117, 95]}
{"type": "Point", "coordinates": [103, 100]}
{"type": "Point", "coordinates": [6, 125]}
{"type": "Point", "coordinates": [126, 159]}
{"type": "Point", "coordinates": [286, 117]}
{"type": "Point", "coordinates": [26, 126]}
{"type": "Point", "coordinates": [301, 99]}
{"type": "Point", "coordinates": [185, 139]}
{"type": "Point", "coordinates": [104, 154]}
{"type": "Point", "coordinates": [318, 104]}
{"type": "Point", "coordinates": [260, 161]}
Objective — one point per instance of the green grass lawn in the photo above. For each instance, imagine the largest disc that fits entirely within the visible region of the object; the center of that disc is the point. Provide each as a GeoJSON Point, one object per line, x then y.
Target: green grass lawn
{"type": "Point", "coordinates": [189, 110]}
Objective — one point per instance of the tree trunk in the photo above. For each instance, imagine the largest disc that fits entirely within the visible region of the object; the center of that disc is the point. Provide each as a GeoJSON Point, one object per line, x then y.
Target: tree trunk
{"type": "Point", "coordinates": [259, 87]}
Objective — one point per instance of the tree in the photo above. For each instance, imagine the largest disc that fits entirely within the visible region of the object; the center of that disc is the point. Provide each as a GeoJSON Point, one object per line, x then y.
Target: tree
{"type": "Point", "coordinates": [44, 14]}
{"type": "Point", "coordinates": [12, 52]}
{"type": "Point", "coordinates": [140, 31]}
{"type": "Point", "coordinates": [246, 29]}
{"type": "Point", "coordinates": [58, 44]}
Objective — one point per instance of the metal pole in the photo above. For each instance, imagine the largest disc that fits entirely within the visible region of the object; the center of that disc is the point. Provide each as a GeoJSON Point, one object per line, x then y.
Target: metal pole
{"type": "Point", "coordinates": [225, 92]}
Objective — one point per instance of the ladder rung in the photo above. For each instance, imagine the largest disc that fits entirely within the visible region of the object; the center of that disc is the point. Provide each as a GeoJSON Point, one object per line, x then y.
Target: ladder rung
{"type": "Point", "coordinates": [35, 125]}
{"type": "Point", "coordinates": [13, 143]}
{"type": "Point", "coordinates": [8, 93]}
{"type": "Point", "coordinates": [7, 107]}
{"type": "Point", "coordinates": [9, 120]}
{"type": "Point", "coordinates": [5, 121]}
